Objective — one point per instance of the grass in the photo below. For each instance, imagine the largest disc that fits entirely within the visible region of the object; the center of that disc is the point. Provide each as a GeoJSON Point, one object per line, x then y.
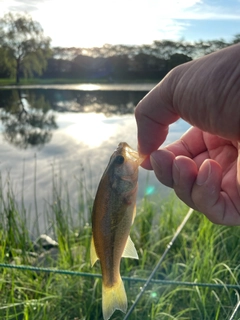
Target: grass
{"type": "Point", "coordinates": [32, 81]}
{"type": "Point", "coordinates": [203, 252]}
{"type": "Point", "coordinates": [39, 81]}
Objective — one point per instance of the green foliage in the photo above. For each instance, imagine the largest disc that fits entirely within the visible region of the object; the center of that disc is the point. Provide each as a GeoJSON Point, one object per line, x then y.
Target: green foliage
{"type": "Point", "coordinates": [25, 52]}
{"type": "Point", "coordinates": [236, 38]}
{"type": "Point", "coordinates": [24, 44]}
{"type": "Point", "coordinates": [6, 67]}
{"type": "Point", "coordinates": [121, 62]}
{"type": "Point", "coordinates": [203, 252]}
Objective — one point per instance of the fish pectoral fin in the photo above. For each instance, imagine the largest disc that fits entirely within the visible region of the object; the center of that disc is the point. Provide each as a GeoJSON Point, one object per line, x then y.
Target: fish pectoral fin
{"type": "Point", "coordinates": [93, 254]}
{"type": "Point", "coordinates": [134, 213]}
{"type": "Point", "coordinates": [130, 250]}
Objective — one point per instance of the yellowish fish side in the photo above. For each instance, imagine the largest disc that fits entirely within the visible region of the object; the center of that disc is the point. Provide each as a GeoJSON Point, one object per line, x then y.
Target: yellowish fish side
{"type": "Point", "coordinates": [113, 214]}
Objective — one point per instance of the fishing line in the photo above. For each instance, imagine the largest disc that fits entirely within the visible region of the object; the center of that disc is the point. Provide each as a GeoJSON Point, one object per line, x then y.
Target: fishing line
{"type": "Point", "coordinates": [235, 311]}
{"type": "Point", "coordinates": [143, 289]}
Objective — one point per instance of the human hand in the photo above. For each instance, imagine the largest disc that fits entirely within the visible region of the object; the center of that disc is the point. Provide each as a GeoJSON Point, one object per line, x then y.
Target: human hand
{"type": "Point", "coordinates": [203, 165]}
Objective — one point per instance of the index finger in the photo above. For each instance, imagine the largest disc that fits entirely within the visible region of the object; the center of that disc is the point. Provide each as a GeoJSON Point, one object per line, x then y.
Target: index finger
{"type": "Point", "coordinates": [154, 114]}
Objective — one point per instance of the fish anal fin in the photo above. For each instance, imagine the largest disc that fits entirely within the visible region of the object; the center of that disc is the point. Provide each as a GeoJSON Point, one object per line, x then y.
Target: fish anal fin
{"type": "Point", "coordinates": [93, 254]}
{"type": "Point", "coordinates": [113, 298]}
{"type": "Point", "coordinates": [130, 250]}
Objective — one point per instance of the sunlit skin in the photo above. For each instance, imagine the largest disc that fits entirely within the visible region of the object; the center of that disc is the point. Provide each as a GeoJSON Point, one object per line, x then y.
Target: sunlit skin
{"type": "Point", "coordinates": [202, 167]}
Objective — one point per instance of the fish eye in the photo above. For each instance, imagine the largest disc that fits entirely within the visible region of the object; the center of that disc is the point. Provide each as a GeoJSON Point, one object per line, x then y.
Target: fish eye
{"type": "Point", "coordinates": [119, 159]}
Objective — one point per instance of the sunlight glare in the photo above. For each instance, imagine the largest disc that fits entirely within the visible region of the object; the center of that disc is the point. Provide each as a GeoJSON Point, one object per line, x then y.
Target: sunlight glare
{"type": "Point", "coordinates": [95, 23]}
{"type": "Point", "coordinates": [88, 87]}
{"type": "Point", "coordinates": [90, 129]}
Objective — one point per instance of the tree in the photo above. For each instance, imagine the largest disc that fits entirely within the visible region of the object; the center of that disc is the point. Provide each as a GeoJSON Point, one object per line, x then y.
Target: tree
{"type": "Point", "coordinates": [6, 69]}
{"type": "Point", "coordinates": [27, 47]}
{"type": "Point", "coordinates": [236, 38]}
{"type": "Point", "coordinates": [176, 59]}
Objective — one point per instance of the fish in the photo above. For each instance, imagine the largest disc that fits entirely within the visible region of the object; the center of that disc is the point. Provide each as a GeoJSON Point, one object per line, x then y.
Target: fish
{"type": "Point", "coordinates": [113, 213]}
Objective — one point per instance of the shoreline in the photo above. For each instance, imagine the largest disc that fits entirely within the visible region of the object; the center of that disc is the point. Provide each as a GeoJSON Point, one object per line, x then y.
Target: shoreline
{"type": "Point", "coordinates": [86, 86]}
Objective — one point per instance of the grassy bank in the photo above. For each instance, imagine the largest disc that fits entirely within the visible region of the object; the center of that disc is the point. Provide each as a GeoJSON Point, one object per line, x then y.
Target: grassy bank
{"type": "Point", "coordinates": [9, 82]}
{"type": "Point", "coordinates": [35, 81]}
{"type": "Point", "coordinates": [202, 253]}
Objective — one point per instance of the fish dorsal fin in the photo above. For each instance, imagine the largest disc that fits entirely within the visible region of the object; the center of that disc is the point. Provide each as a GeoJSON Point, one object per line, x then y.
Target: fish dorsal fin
{"type": "Point", "coordinates": [130, 250]}
{"type": "Point", "coordinates": [93, 254]}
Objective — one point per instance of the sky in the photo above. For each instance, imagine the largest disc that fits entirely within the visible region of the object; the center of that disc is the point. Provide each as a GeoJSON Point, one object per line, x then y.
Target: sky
{"type": "Point", "coordinates": [89, 23]}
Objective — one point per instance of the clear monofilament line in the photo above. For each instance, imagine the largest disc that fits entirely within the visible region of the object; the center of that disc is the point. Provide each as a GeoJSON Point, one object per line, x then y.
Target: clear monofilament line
{"type": "Point", "coordinates": [235, 311]}
{"type": "Point", "coordinates": [179, 229]}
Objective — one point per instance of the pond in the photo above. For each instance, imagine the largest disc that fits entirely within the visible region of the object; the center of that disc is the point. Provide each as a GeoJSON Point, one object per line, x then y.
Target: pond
{"type": "Point", "coordinates": [67, 133]}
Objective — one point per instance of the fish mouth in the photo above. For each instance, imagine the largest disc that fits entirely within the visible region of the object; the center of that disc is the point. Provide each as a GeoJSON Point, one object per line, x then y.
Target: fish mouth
{"type": "Point", "coordinates": [121, 146]}
{"type": "Point", "coordinates": [131, 154]}
{"type": "Point", "coordinates": [134, 155]}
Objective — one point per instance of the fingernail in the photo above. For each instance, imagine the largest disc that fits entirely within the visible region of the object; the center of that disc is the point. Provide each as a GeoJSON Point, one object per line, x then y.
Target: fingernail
{"type": "Point", "coordinates": [156, 164]}
{"type": "Point", "coordinates": [176, 173]}
{"type": "Point", "coordinates": [204, 174]}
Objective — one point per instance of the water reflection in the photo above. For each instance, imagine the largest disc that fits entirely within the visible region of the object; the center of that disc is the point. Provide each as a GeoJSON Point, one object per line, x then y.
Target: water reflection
{"type": "Point", "coordinates": [26, 118]}
{"type": "Point", "coordinates": [66, 131]}
{"type": "Point", "coordinates": [106, 102]}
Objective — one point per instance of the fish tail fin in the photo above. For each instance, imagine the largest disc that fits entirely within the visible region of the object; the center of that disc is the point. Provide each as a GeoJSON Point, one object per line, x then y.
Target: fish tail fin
{"type": "Point", "coordinates": [113, 298]}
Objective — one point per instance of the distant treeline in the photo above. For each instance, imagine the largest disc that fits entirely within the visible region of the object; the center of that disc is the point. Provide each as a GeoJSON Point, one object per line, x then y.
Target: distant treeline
{"type": "Point", "coordinates": [26, 52]}
{"type": "Point", "coordinates": [116, 62]}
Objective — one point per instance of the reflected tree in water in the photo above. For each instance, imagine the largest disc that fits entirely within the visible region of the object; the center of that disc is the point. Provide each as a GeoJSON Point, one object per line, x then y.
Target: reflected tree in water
{"type": "Point", "coordinates": [27, 119]}
{"type": "Point", "coordinates": [28, 116]}
{"type": "Point", "coordinates": [108, 102]}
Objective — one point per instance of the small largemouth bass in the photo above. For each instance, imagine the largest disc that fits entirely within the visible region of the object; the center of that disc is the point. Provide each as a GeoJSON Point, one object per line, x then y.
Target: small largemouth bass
{"type": "Point", "coordinates": [112, 216]}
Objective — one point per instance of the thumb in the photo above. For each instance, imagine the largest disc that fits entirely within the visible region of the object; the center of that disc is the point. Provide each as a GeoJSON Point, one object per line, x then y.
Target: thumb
{"type": "Point", "coordinates": [154, 113]}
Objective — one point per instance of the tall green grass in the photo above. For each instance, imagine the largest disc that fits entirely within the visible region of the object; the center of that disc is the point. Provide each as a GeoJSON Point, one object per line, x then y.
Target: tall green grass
{"type": "Point", "coordinates": [203, 252]}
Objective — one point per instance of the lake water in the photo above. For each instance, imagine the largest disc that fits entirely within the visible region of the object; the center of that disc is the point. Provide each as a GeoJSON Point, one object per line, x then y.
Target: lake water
{"type": "Point", "coordinates": [67, 133]}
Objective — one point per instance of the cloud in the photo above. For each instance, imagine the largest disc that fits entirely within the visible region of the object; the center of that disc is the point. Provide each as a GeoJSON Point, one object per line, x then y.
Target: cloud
{"type": "Point", "coordinates": [94, 23]}
{"type": "Point", "coordinates": [15, 6]}
{"type": "Point", "coordinates": [87, 23]}
{"type": "Point", "coordinates": [128, 10]}
{"type": "Point", "coordinates": [20, 5]}
{"type": "Point", "coordinates": [206, 11]}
